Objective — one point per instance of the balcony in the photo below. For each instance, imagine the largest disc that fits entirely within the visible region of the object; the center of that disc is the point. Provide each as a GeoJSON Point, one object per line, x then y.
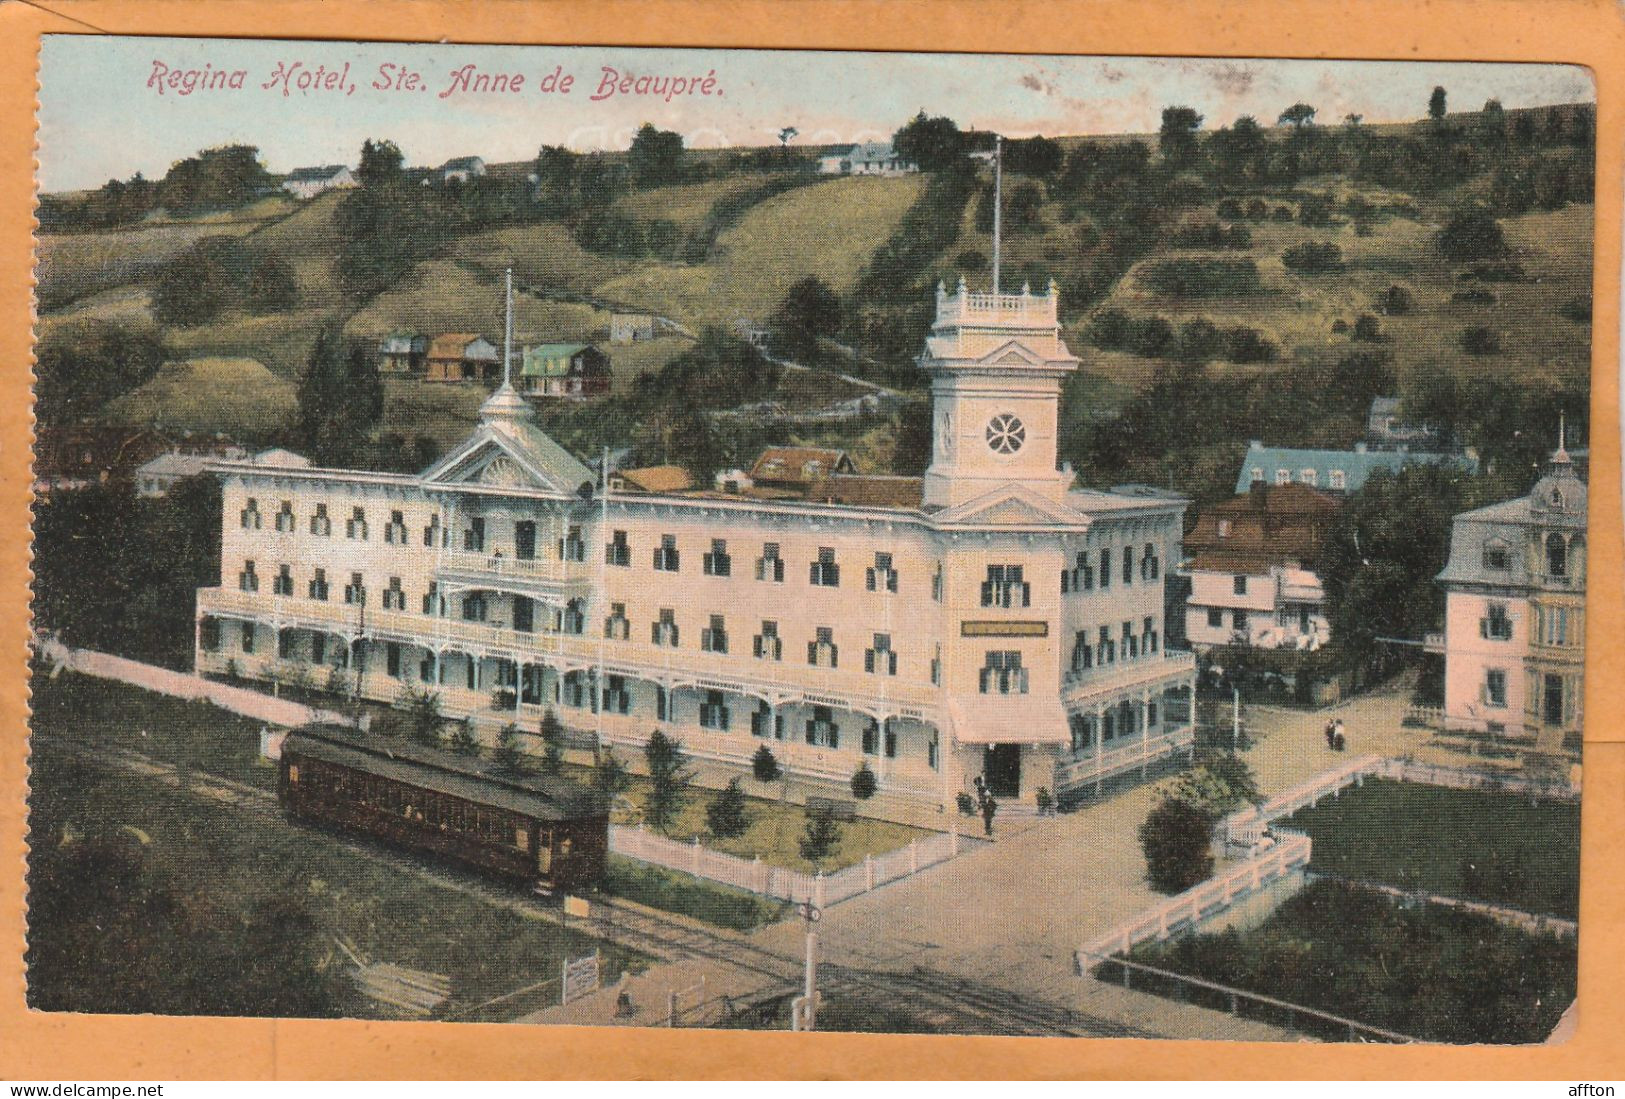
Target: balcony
{"type": "Point", "coordinates": [546, 579]}
{"type": "Point", "coordinates": [1077, 687]}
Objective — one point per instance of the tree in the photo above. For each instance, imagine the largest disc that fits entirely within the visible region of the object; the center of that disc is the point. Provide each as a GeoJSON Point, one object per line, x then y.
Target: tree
{"type": "Point", "coordinates": [1177, 839]}
{"type": "Point", "coordinates": [462, 739]}
{"type": "Point", "coordinates": [1396, 301]}
{"type": "Point", "coordinates": [935, 144]}
{"type": "Point", "coordinates": [655, 156]}
{"type": "Point", "coordinates": [80, 371]}
{"type": "Point", "coordinates": [1436, 107]}
{"type": "Point", "coordinates": [423, 716]}
{"type": "Point", "coordinates": [1177, 138]}
{"type": "Point", "coordinates": [1313, 257]}
{"type": "Point", "coordinates": [821, 836]}
{"type": "Point", "coordinates": [1033, 156]}
{"type": "Point", "coordinates": [1471, 234]}
{"type": "Point", "coordinates": [340, 396]}
{"type": "Point", "coordinates": [1480, 340]}
{"type": "Point", "coordinates": [552, 734]}
{"type": "Point", "coordinates": [864, 783]}
{"type": "Point", "coordinates": [726, 816]}
{"type": "Point", "coordinates": [609, 776]}
{"type": "Point", "coordinates": [765, 766]}
{"type": "Point", "coordinates": [1217, 787]}
{"type": "Point", "coordinates": [810, 311]}
{"type": "Point", "coordinates": [1300, 116]}
{"type": "Point", "coordinates": [1367, 329]}
{"type": "Point", "coordinates": [381, 164]}
{"type": "Point", "coordinates": [507, 747]}
{"type": "Point", "coordinates": [668, 780]}
{"type": "Point", "coordinates": [786, 134]}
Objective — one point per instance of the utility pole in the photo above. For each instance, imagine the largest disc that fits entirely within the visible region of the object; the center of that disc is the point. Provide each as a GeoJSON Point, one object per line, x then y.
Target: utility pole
{"type": "Point", "coordinates": [1235, 716]}
{"type": "Point", "coordinates": [804, 1010]}
{"type": "Point", "coordinates": [998, 203]}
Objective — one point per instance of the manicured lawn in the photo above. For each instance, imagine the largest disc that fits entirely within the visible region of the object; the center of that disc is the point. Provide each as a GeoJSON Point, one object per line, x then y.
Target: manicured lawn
{"type": "Point", "coordinates": [657, 887]}
{"type": "Point", "coordinates": [1471, 844]}
{"type": "Point", "coordinates": [1427, 971]}
{"type": "Point", "coordinates": [224, 867]}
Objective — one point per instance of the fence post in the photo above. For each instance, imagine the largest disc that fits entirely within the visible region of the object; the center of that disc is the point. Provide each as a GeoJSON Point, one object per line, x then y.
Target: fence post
{"type": "Point", "coordinates": [758, 876]}
{"type": "Point", "coordinates": [818, 890]}
{"type": "Point", "coordinates": [913, 856]}
{"type": "Point", "coordinates": [953, 839]}
{"type": "Point", "coordinates": [697, 850]}
{"type": "Point", "coordinates": [868, 873]}
{"type": "Point", "coordinates": [671, 1007]}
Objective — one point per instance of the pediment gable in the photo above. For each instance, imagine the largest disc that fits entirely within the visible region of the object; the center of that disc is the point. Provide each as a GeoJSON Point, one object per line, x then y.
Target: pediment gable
{"type": "Point", "coordinates": [1012, 353]}
{"type": "Point", "coordinates": [1011, 506]}
{"type": "Point", "coordinates": [492, 459]}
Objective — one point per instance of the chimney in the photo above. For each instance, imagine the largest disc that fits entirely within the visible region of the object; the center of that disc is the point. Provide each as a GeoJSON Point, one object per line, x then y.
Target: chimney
{"type": "Point", "coordinates": [1258, 494]}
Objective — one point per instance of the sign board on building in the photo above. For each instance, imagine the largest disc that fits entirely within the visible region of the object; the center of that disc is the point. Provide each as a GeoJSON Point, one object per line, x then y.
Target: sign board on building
{"type": "Point", "coordinates": [1003, 629]}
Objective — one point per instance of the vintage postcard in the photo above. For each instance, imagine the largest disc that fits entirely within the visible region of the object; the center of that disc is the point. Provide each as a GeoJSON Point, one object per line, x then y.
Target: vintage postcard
{"type": "Point", "coordinates": [779, 540]}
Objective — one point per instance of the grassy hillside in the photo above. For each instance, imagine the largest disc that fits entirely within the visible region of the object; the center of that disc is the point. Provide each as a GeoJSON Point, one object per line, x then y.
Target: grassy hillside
{"type": "Point", "coordinates": [447, 296]}
{"type": "Point", "coordinates": [238, 396]}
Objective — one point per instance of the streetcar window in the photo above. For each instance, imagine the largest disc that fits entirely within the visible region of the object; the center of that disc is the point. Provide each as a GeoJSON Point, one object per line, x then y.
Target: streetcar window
{"type": "Point", "coordinates": [564, 847]}
{"type": "Point", "coordinates": [293, 773]}
{"type": "Point", "coordinates": [521, 839]}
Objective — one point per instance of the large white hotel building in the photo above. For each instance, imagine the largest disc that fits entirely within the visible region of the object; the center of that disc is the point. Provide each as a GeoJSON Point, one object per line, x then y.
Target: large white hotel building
{"type": "Point", "coordinates": [990, 620]}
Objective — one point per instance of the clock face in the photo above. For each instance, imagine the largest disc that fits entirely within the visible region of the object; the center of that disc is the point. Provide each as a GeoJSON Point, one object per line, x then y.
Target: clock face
{"type": "Point", "coordinates": [1005, 434]}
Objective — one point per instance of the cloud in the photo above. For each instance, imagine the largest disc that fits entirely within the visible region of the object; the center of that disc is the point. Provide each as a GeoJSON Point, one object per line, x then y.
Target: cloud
{"type": "Point", "coordinates": [1233, 80]}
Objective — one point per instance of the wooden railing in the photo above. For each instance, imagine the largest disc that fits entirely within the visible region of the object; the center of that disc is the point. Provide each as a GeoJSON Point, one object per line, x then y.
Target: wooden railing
{"type": "Point", "coordinates": [1133, 753]}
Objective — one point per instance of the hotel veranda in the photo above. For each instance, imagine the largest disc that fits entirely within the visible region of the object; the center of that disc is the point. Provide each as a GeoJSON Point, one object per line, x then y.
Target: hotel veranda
{"type": "Point", "coordinates": [990, 620]}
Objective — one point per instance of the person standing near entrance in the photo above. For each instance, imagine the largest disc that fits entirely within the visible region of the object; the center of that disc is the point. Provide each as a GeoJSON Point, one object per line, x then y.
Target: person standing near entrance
{"type": "Point", "coordinates": [989, 807]}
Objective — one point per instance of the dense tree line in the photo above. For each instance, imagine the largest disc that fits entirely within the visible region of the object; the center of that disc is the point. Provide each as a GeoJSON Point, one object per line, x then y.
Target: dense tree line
{"type": "Point", "coordinates": [219, 273]}
{"type": "Point", "coordinates": [223, 178]}
{"type": "Point", "coordinates": [1196, 341]}
{"type": "Point", "coordinates": [340, 397]}
{"type": "Point", "coordinates": [79, 371]}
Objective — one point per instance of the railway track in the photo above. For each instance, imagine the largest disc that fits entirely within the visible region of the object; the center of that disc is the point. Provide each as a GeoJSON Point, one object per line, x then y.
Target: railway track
{"type": "Point", "coordinates": [966, 1005]}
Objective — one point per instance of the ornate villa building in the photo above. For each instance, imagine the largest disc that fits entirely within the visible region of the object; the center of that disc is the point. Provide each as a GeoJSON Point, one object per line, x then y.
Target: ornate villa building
{"type": "Point", "coordinates": [987, 619]}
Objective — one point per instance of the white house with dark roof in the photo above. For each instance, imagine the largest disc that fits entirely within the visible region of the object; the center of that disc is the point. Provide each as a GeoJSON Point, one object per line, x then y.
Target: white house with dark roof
{"type": "Point", "coordinates": [310, 182]}
{"type": "Point", "coordinates": [1514, 636]}
{"type": "Point", "coordinates": [461, 169]}
{"type": "Point", "coordinates": [871, 158]}
{"type": "Point", "coordinates": [989, 620]}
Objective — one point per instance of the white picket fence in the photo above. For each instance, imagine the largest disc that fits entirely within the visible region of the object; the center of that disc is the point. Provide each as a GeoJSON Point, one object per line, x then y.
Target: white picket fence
{"type": "Point", "coordinates": [767, 880]}
{"type": "Point", "coordinates": [1201, 901]}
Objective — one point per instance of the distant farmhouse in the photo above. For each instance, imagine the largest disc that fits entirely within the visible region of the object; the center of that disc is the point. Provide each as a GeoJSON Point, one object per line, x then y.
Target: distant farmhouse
{"type": "Point", "coordinates": [563, 370]}
{"type": "Point", "coordinates": [461, 169]}
{"type": "Point", "coordinates": [310, 182]}
{"type": "Point", "coordinates": [461, 357]}
{"type": "Point", "coordinates": [636, 327]}
{"type": "Point", "coordinates": [872, 158]}
{"type": "Point", "coordinates": [402, 353]}
{"type": "Point", "coordinates": [1384, 430]}
{"type": "Point", "coordinates": [1340, 472]}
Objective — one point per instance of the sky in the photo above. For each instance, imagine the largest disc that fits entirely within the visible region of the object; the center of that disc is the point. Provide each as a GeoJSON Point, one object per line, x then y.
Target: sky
{"type": "Point", "coordinates": [112, 106]}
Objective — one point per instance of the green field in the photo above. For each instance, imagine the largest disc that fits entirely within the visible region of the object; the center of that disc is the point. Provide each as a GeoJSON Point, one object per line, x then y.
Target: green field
{"type": "Point", "coordinates": [450, 296]}
{"type": "Point", "coordinates": [1479, 846]}
{"type": "Point", "coordinates": [238, 396]}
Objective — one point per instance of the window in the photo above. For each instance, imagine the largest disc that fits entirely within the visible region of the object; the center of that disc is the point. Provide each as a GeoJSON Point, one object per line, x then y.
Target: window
{"type": "Point", "coordinates": [617, 699]}
{"type": "Point", "coordinates": [881, 576]}
{"type": "Point", "coordinates": [1083, 574]}
{"type": "Point", "coordinates": [822, 730]}
{"type": "Point", "coordinates": [285, 521]}
{"type": "Point", "coordinates": [714, 638]}
{"type": "Point", "coordinates": [283, 583]}
{"type": "Point", "coordinates": [936, 583]}
{"type": "Point", "coordinates": [616, 626]}
{"type": "Point", "coordinates": [714, 712]}
{"type": "Point", "coordinates": [475, 607]}
{"type": "Point", "coordinates": [248, 637]}
{"type": "Point", "coordinates": [395, 529]}
{"type": "Point", "coordinates": [1150, 635]}
{"type": "Point", "coordinates": [246, 579]}
{"type": "Point", "coordinates": [1083, 654]}
{"type": "Point", "coordinates": [1495, 687]}
{"type": "Point", "coordinates": [1003, 674]}
{"type": "Point", "coordinates": [664, 630]}
{"type": "Point", "coordinates": [320, 524]}
{"type": "Point", "coordinates": [662, 704]}
{"type": "Point", "coordinates": [1105, 568]}
{"type": "Point", "coordinates": [356, 525]}
{"type": "Point", "coordinates": [1128, 564]}
{"type": "Point", "coordinates": [474, 535]}
{"type": "Point", "coordinates": [1307, 477]}
{"type": "Point", "coordinates": [764, 723]}
{"type": "Point", "coordinates": [879, 659]}
{"type": "Point", "coordinates": [1106, 648]}
{"type": "Point", "coordinates": [392, 659]}
{"type": "Point", "coordinates": [1083, 731]}
{"type": "Point", "coordinates": [1258, 475]}
{"type": "Point", "coordinates": [394, 597]}
{"type": "Point", "coordinates": [824, 572]}
{"type": "Point", "coordinates": [318, 585]}
{"type": "Point", "coordinates": [573, 618]}
{"type": "Point", "coordinates": [1338, 479]}
{"type": "Point", "coordinates": [1283, 476]}
{"type": "Point", "coordinates": [1238, 621]}
{"type": "Point", "coordinates": [822, 652]}
{"type": "Point", "coordinates": [1496, 556]}
{"type": "Point", "coordinates": [665, 555]}
{"type": "Point", "coordinates": [284, 644]}
{"type": "Point", "coordinates": [1131, 643]}
{"type": "Point", "coordinates": [717, 562]}
{"type": "Point", "coordinates": [524, 614]}
{"type": "Point", "coordinates": [767, 645]}
{"type": "Point", "coordinates": [1239, 584]}
{"type": "Point", "coordinates": [355, 592]}
{"type": "Point", "coordinates": [433, 535]}
{"type": "Point", "coordinates": [1495, 625]}
{"type": "Point", "coordinates": [1557, 556]}
{"type": "Point", "coordinates": [250, 515]}
{"type": "Point", "coordinates": [433, 602]}
{"type": "Point", "coordinates": [572, 547]}
{"type": "Point", "coordinates": [936, 666]}
{"type": "Point", "coordinates": [871, 738]}
{"type": "Point", "coordinates": [1215, 618]}
{"type": "Point", "coordinates": [769, 566]}
{"type": "Point", "coordinates": [1150, 565]}
{"type": "Point", "coordinates": [1004, 587]}
{"type": "Point", "coordinates": [616, 551]}
{"type": "Point", "coordinates": [1224, 528]}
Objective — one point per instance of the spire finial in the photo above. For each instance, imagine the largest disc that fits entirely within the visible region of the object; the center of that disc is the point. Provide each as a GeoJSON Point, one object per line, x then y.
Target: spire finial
{"type": "Point", "coordinates": [1562, 452]}
{"type": "Point", "coordinates": [507, 330]}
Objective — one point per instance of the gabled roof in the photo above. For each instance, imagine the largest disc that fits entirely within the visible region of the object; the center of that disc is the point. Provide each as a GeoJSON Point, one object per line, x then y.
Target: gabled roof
{"type": "Point", "coordinates": [462, 164]}
{"type": "Point", "coordinates": [800, 464]}
{"type": "Point", "coordinates": [1011, 505]}
{"type": "Point", "coordinates": [1267, 526]}
{"type": "Point", "coordinates": [548, 359]}
{"type": "Point", "coordinates": [657, 479]}
{"type": "Point", "coordinates": [1356, 465]}
{"type": "Point", "coordinates": [316, 174]}
{"type": "Point", "coordinates": [873, 150]}
{"type": "Point", "coordinates": [544, 463]}
{"type": "Point", "coordinates": [869, 490]}
{"type": "Point", "coordinates": [175, 464]}
{"type": "Point", "coordinates": [451, 344]}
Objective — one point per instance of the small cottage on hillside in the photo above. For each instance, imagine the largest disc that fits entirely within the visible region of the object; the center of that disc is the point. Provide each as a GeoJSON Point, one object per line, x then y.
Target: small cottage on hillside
{"type": "Point", "coordinates": [630, 327]}
{"type": "Point", "coordinates": [563, 370]}
{"type": "Point", "coordinates": [872, 158]}
{"type": "Point", "coordinates": [461, 169]}
{"type": "Point", "coordinates": [461, 357]}
{"type": "Point", "coordinates": [310, 182]}
{"type": "Point", "coordinates": [402, 353]}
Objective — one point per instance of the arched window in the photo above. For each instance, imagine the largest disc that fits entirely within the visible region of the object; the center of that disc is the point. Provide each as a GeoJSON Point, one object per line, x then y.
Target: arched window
{"type": "Point", "coordinates": [1557, 555]}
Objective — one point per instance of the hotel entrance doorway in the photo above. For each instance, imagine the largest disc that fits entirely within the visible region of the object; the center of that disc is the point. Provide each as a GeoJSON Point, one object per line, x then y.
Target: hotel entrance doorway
{"type": "Point", "coordinates": [1001, 768]}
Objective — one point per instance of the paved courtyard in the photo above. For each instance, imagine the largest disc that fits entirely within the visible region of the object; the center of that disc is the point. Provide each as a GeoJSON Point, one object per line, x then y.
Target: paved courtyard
{"type": "Point", "coordinates": [1009, 916]}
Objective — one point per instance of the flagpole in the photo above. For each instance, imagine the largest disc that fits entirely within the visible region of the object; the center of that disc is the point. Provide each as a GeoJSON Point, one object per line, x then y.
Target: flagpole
{"type": "Point", "coordinates": [998, 203]}
{"type": "Point", "coordinates": [507, 330]}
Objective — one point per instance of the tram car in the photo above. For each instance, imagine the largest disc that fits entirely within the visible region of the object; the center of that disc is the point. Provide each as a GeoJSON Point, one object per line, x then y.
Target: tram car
{"type": "Point", "coordinates": [542, 830]}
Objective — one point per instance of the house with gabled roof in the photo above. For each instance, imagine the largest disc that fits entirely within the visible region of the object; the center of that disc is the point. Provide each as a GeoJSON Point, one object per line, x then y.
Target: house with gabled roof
{"type": "Point", "coordinates": [461, 169]}
{"type": "Point", "coordinates": [798, 467]}
{"type": "Point", "coordinates": [461, 357]}
{"type": "Point", "coordinates": [576, 370]}
{"type": "Point", "coordinates": [310, 182]}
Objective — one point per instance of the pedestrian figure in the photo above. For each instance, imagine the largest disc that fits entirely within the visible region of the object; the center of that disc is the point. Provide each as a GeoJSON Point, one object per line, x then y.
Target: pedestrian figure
{"type": "Point", "coordinates": [989, 807]}
{"type": "Point", "coordinates": [1342, 740]}
{"type": "Point", "coordinates": [1331, 734]}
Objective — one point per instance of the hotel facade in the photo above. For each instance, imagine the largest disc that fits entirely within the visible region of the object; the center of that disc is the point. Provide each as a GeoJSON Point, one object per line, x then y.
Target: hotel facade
{"type": "Point", "coordinates": [989, 619]}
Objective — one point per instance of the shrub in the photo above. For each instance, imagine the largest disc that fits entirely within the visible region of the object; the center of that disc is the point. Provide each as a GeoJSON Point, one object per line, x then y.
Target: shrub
{"type": "Point", "coordinates": [1257, 210]}
{"type": "Point", "coordinates": [673, 892]}
{"type": "Point", "coordinates": [667, 778]}
{"type": "Point", "coordinates": [965, 803]}
{"type": "Point", "coordinates": [1149, 337]}
{"type": "Point", "coordinates": [552, 732]}
{"type": "Point", "coordinates": [422, 715]}
{"type": "Point", "coordinates": [1109, 329]}
{"type": "Point", "coordinates": [1480, 340]}
{"type": "Point", "coordinates": [765, 765]}
{"type": "Point", "coordinates": [1471, 234]}
{"type": "Point", "coordinates": [1340, 326]}
{"type": "Point", "coordinates": [1500, 271]}
{"type": "Point", "coordinates": [1046, 801]}
{"type": "Point", "coordinates": [863, 782]}
{"type": "Point", "coordinates": [822, 835]}
{"type": "Point", "coordinates": [1576, 309]}
{"type": "Point", "coordinates": [1367, 329]}
{"type": "Point", "coordinates": [726, 816]}
{"type": "Point", "coordinates": [1211, 235]}
{"type": "Point", "coordinates": [609, 776]}
{"type": "Point", "coordinates": [1281, 213]}
{"type": "Point", "coordinates": [1474, 295]}
{"type": "Point", "coordinates": [1316, 210]}
{"type": "Point", "coordinates": [1229, 209]}
{"type": "Point", "coordinates": [507, 747]}
{"type": "Point", "coordinates": [1199, 340]}
{"type": "Point", "coordinates": [1396, 301]}
{"type": "Point", "coordinates": [462, 738]}
{"type": "Point", "coordinates": [1248, 345]}
{"type": "Point", "coordinates": [1313, 257]}
{"type": "Point", "coordinates": [1177, 839]}
{"type": "Point", "coordinates": [1203, 277]}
